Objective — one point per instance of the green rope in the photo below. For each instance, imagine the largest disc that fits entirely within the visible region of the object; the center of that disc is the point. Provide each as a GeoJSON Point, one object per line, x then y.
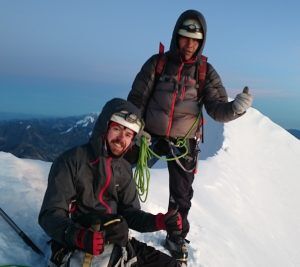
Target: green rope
{"type": "Point", "coordinates": [142, 174]}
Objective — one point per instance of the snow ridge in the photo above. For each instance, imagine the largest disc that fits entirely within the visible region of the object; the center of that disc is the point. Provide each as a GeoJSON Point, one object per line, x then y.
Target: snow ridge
{"type": "Point", "coordinates": [245, 211]}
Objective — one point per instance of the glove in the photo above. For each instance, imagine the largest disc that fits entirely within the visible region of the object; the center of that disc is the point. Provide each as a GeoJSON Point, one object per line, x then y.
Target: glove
{"type": "Point", "coordinates": [146, 136]}
{"type": "Point", "coordinates": [86, 240]}
{"type": "Point", "coordinates": [171, 222]}
{"type": "Point", "coordinates": [242, 102]}
{"type": "Point", "coordinates": [116, 231]}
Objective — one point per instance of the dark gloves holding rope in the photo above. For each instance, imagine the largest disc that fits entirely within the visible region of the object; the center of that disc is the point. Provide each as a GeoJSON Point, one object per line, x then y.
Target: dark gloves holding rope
{"type": "Point", "coordinates": [106, 229]}
{"type": "Point", "coordinates": [171, 222]}
{"type": "Point", "coordinates": [116, 231]}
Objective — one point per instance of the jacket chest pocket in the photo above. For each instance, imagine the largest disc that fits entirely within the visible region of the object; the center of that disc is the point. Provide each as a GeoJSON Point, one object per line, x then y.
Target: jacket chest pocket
{"type": "Point", "coordinates": [167, 84]}
{"type": "Point", "coordinates": [185, 88]}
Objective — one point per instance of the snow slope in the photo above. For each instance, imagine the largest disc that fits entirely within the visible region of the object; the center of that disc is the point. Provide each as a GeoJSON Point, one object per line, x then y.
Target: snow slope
{"type": "Point", "coordinates": [245, 209]}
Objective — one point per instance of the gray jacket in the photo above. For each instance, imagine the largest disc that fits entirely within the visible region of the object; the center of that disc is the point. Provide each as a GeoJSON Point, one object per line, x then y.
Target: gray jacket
{"type": "Point", "coordinates": [171, 105]}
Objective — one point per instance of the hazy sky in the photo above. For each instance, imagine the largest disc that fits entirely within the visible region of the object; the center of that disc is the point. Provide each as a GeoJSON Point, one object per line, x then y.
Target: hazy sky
{"type": "Point", "coordinates": [69, 57]}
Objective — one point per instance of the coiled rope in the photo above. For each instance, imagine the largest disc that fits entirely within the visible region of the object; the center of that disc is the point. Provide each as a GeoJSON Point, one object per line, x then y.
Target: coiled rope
{"type": "Point", "coordinates": [142, 173]}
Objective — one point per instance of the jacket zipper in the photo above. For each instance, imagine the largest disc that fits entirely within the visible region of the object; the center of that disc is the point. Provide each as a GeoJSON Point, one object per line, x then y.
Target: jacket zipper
{"type": "Point", "coordinates": [106, 185]}
{"type": "Point", "coordinates": [182, 96]}
{"type": "Point", "coordinates": [174, 102]}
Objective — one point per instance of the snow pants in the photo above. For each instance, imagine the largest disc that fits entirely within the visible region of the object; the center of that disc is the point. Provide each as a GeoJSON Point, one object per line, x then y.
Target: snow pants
{"type": "Point", "coordinates": [180, 180]}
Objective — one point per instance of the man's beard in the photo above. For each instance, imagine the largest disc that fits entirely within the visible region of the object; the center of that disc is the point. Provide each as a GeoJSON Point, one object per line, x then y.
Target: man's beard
{"type": "Point", "coordinates": [117, 148]}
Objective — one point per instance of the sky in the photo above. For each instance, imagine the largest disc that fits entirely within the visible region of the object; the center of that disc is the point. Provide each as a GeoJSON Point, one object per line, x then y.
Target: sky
{"type": "Point", "coordinates": [245, 210]}
{"type": "Point", "coordinates": [66, 58]}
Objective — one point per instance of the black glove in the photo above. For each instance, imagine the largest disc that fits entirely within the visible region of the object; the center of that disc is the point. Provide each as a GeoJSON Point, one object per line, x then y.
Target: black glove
{"type": "Point", "coordinates": [116, 231]}
{"type": "Point", "coordinates": [171, 222]}
{"type": "Point", "coordinates": [84, 239]}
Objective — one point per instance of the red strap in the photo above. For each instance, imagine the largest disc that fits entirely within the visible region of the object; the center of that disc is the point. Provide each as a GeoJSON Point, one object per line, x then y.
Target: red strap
{"type": "Point", "coordinates": [202, 72]}
{"type": "Point", "coordinates": [160, 221]}
{"type": "Point", "coordinates": [161, 48]}
{"type": "Point", "coordinates": [202, 68]}
{"type": "Point", "coordinates": [160, 64]}
{"type": "Point", "coordinates": [161, 61]}
{"type": "Point", "coordinates": [98, 243]}
{"type": "Point", "coordinates": [72, 206]}
{"type": "Point", "coordinates": [179, 221]}
{"type": "Point", "coordinates": [80, 238]}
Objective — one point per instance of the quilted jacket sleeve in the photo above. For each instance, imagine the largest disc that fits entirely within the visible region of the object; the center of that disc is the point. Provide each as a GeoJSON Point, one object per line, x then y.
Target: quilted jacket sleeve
{"type": "Point", "coordinates": [143, 84]}
{"type": "Point", "coordinates": [129, 207]}
{"type": "Point", "coordinates": [215, 98]}
{"type": "Point", "coordinates": [53, 216]}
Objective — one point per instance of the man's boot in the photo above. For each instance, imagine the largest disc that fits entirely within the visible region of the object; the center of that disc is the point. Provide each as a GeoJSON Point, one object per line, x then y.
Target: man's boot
{"type": "Point", "coordinates": [177, 246]}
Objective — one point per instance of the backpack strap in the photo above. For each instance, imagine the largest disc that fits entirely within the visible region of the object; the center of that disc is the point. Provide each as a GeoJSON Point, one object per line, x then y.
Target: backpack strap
{"type": "Point", "coordinates": [159, 68]}
{"type": "Point", "coordinates": [161, 62]}
{"type": "Point", "coordinates": [201, 74]}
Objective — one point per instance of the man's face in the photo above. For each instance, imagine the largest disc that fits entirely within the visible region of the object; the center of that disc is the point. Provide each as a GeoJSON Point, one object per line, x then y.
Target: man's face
{"type": "Point", "coordinates": [119, 138]}
{"type": "Point", "coordinates": [187, 47]}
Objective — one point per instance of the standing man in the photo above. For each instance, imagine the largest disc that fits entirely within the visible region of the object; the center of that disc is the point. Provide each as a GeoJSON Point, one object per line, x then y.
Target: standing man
{"type": "Point", "coordinates": [91, 199]}
{"type": "Point", "coordinates": [170, 90]}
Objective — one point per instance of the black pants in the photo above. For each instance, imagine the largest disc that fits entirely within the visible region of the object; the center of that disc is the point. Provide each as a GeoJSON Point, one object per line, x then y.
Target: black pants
{"type": "Point", "coordinates": [180, 180]}
{"type": "Point", "coordinates": [146, 256]}
{"type": "Point", "coordinates": [150, 257]}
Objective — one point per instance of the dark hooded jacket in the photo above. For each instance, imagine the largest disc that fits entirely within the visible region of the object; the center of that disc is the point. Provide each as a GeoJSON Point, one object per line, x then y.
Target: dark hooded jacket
{"type": "Point", "coordinates": [171, 104]}
{"type": "Point", "coordinates": [86, 180]}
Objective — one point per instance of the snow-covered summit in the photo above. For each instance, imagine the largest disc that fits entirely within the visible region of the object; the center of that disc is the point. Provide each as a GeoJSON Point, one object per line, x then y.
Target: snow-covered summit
{"type": "Point", "coordinates": [84, 122]}
{"type": "Point", "coordinates": [245, 209]}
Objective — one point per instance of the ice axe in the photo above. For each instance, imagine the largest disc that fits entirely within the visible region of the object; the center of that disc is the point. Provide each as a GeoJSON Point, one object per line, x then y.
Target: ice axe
{"type": "Point", "coordinates": [17, 229]}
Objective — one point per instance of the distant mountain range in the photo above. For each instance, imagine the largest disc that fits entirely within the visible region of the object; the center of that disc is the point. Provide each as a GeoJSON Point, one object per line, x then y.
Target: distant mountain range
{"type": "Point", "coordinates": [44, 139]}
{"type": "Point", "coordinates": [294, 132]}
{"type": "Point", "coordinates": [19, 116]}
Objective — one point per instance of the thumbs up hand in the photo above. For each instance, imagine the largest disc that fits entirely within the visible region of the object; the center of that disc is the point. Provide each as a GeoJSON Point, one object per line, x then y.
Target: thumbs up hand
{"type": "Point", "coordinates": [242, 102]}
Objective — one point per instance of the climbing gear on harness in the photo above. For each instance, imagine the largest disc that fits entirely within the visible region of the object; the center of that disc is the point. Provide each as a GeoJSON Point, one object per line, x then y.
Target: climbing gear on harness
{"type": "Point", "coordinates": [142, 174]}
{"type": "Point", "coordinates": [182, 142]}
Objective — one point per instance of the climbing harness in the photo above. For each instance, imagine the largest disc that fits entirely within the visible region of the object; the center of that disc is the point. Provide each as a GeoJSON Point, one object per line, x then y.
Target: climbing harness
{"type": "Point", "coordinates": [142, 173]}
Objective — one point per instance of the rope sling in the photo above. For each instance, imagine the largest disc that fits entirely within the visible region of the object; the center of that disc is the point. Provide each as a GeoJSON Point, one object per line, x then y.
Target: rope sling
{"type": "Point", "coordinates": [142, 173]}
